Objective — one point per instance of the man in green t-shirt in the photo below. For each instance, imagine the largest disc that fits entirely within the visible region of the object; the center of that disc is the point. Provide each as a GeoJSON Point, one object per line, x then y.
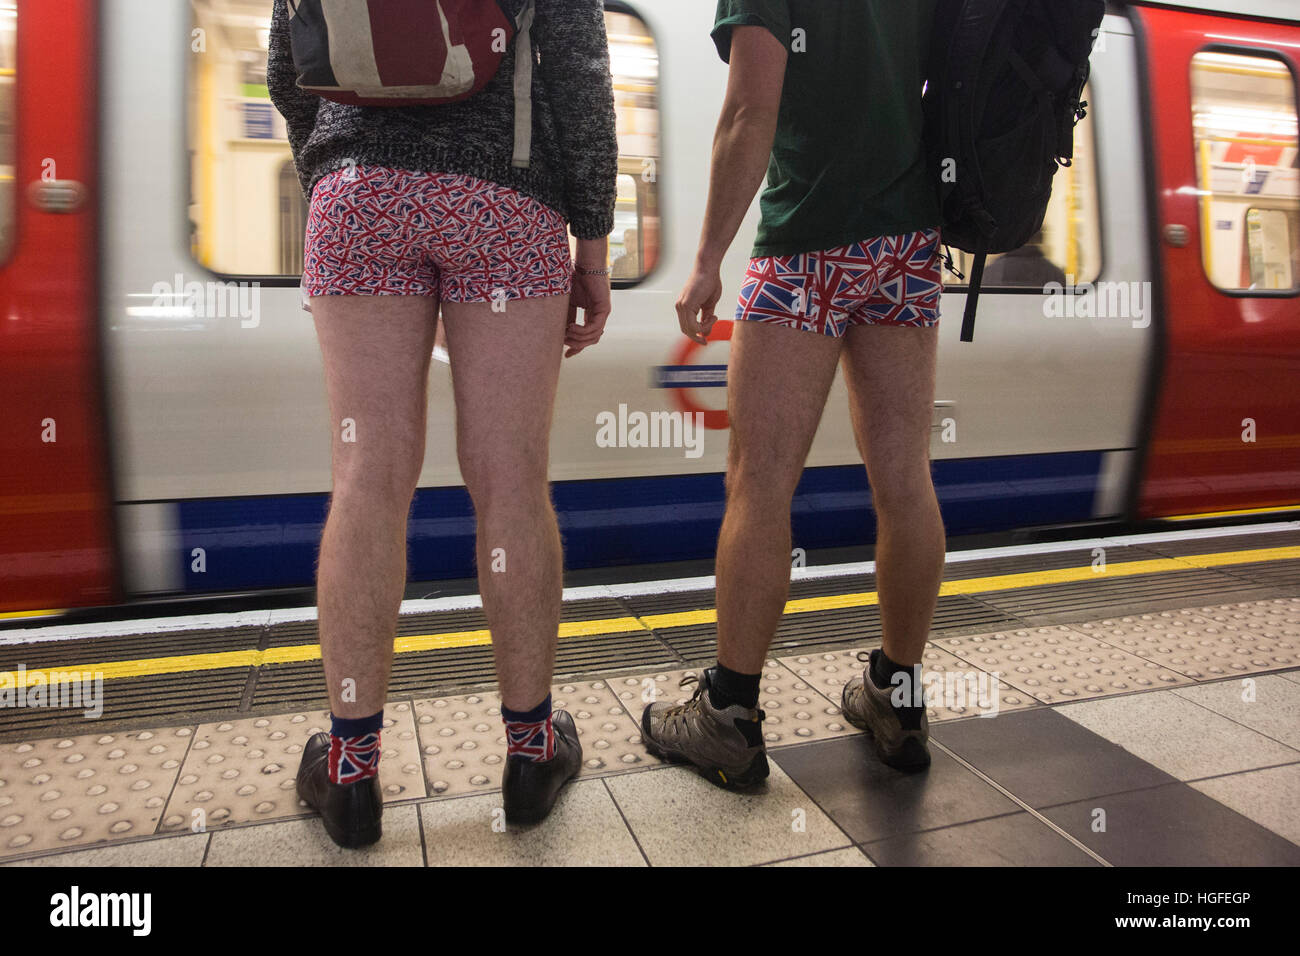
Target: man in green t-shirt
{"type": "Point", "coordinates": [826, 95]}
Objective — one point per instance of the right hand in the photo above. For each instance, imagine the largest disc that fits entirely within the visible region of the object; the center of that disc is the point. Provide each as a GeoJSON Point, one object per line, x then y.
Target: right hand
{"type": "Point", "coordinates": [591, 295]}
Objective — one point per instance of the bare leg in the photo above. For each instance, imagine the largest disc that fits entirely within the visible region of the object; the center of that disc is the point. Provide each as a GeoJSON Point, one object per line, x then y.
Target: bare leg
{"type": "Point", "coordinates": [376, 351]}
{"type": "Point", "coordinates": [778, 380]}
{"type": "Point", "coordinates": [505, 367]}
{"type": "Point", "coordinates": [890, 373]}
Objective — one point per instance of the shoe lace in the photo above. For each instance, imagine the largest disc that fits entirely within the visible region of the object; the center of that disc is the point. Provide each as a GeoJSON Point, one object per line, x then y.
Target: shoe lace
{"type": "Point", "coordinates": [677, 713]}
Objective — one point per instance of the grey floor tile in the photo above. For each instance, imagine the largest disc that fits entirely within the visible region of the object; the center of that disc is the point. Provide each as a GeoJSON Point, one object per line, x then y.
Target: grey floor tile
{"type": "Point", "coordinates": [584, 829]}
{"type": "Point", "coordinates": [304, 842]}
{"type": "Point", "coordinates": [680, 819]}
{"type": "Point", "coordinates": [1273, 710]}
{"type": "Point", "coordinates": [1177, 736]}
{"type": "Point", "coordinates": [1044, 758]}
{"type": "Point", "coordinates": [1013, 840]}
{"type": "Point", "coordinates": [1293, 676]}
{"type": "Point", "coordinates": [1172, 825]}
{"type": "Point", "coordinates": [851, 856]}
{"type": "Point", "coordinates": [870, 801]}
{"type": "Point", "coordinates": [166, 851]}
{"type": "Point", "coordinates": [1269, 797]}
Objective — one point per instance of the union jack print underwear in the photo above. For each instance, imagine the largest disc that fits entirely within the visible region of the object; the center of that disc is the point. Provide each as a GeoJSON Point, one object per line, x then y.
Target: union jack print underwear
{"type": "Point", "coordinates": [889, 280]}
{"type": "Point", "coordinates": [372, 230]}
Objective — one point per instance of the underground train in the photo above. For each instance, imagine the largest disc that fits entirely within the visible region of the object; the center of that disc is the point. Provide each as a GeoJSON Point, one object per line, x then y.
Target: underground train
{"type": "Point", "coordinates": [164, 428]}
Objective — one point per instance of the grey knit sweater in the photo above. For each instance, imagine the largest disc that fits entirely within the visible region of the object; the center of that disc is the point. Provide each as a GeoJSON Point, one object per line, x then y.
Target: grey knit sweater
{"type": "Point", "coordinates": [574, 162]}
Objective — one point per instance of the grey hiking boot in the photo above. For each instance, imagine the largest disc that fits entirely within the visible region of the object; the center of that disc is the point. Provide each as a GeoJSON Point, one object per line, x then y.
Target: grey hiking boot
{"type": "Point", "coordinates": [868, 708]}
{"type": "Point", "coordinates": [725, 745]}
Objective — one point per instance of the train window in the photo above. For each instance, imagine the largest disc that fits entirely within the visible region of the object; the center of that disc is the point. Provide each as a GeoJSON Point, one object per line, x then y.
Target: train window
{"type": "Point", "coordinates": [1270, 249]}
{"type": "Point", "coordinates": [238, 144]}
{"type": "Point", "coordinates": [1068, 248]}
{"type": "Point", "coordinates": [8, 170]}
{"type": "Point", "coordinates": [634, 62]}
{"type": "Point", "coordinates": [247, 212]}
{"type": "Point", "coordinates": [1245, 129]}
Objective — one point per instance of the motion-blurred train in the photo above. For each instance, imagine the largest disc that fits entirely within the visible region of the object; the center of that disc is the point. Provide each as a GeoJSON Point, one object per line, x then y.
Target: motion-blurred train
{"type": "Point", "coordinates": [163, 425]}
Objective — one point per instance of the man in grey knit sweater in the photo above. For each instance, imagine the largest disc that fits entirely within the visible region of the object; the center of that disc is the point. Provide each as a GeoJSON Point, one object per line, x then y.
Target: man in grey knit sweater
{"type": "Point", "coordinates": [411, 207]}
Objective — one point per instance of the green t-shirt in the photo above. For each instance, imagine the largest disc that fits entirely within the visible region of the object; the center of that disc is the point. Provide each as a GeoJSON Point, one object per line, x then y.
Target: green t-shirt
{"type": "Point", "coordinates": [847, 163]}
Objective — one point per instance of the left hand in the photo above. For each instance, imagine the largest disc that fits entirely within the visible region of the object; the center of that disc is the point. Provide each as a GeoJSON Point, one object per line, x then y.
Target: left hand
{"type": "Point", "coordinates": [591, 295]}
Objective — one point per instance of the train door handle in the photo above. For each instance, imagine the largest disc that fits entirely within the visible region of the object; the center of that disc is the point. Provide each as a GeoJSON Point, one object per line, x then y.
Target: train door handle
{"type": "Point", "coordinates": [1177, 235]}
{"type": "Point", "coordinates": [57, 195]}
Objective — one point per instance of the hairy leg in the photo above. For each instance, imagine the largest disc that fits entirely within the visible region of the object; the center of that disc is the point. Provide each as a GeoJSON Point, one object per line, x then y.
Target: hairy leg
{"type": "Point", "coordinates": [505, 367]}
{"type": "Point", "coordinates": [890, 373]}
{"type": "Point", "coordinates": [376, 352]}
{"type": "Point", "coordinates": [777, 383]}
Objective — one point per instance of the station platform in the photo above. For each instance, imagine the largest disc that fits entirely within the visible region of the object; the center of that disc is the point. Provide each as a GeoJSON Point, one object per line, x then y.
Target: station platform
{"type": "Point", "coordinates": [1138, 704]}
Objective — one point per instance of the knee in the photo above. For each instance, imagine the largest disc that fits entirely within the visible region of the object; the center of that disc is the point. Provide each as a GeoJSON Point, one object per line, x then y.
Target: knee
{"type": "Point", "coordinates": [901, 489]}
{"type": "Point", "coordinates": [770, 489]}
{"type": "Point", "coordinates": [495, 480]}
{"type": "Point", "coordinates": [387, 484]}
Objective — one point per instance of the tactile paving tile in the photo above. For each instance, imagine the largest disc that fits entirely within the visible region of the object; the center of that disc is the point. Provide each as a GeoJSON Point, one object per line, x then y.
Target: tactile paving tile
{"type": "Point", "coordinates": [1055, 664]}
{"type": "Point", "coordinates": [241, 771]}
{"type": "Point", "coordinates": [463, 741]}
{"type": "Point", "coordinates": [796, 712]}
{"type": "Point", "coordinates": [831, 670]}
{"type": "Point", "coordinates": [77, 791]}
{"type": "Point", "coordinates": [1210, 642]}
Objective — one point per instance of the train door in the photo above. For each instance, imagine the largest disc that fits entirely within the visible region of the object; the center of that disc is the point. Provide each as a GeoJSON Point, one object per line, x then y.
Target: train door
{"type": "Point", "coordinates": [55, 504]}
{"type": "Point", "coordinates": [1225, 432]}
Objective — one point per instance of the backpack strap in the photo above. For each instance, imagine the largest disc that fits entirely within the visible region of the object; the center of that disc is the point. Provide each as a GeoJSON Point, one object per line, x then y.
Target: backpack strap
{"type": "Point", "coordinates": [524, 86]}
{"type": "Point", "coordinates": [973, 294]}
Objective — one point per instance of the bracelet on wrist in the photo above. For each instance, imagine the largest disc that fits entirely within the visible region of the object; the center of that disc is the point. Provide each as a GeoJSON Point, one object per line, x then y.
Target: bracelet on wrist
{"type": "Point", "coordinates": [590, 272]}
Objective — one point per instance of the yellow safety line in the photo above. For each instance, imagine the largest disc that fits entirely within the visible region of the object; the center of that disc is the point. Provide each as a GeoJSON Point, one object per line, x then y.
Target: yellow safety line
{"type": "Point", "coordinates": [1280, 509]}
{"type": "Point", "coordinates": [624, 625]}
{"type": "Point", "coordinates": [8, 615]}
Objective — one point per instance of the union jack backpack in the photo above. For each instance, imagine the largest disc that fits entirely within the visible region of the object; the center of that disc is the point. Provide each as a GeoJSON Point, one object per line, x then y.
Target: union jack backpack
{"type": "Point", "coordinates": [412, 53]}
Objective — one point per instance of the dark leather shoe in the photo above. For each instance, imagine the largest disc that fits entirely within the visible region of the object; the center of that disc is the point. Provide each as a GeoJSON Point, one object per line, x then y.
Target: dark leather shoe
{"type": "Point", "coordinates": [351, 812]}
{"type": "Point", "coordinates": [531, 786]}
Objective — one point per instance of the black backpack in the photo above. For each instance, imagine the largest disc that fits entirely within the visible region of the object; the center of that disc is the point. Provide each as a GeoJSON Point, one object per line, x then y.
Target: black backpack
{"type": "Point", "coordinates": [1002, 100]}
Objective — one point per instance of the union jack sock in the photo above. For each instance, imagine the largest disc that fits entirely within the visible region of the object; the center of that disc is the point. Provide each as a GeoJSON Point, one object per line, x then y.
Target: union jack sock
{"type": "Point", "coordinates": [354, 747]}
{"type": "Point", "coordinates": [529, 733]}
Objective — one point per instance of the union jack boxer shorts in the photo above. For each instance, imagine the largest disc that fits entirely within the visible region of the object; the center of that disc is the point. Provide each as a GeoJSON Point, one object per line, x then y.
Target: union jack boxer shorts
{"type": "Point", "coordinates": [372, 230]}
{"type": "Point", "coordinates": [889, 280]}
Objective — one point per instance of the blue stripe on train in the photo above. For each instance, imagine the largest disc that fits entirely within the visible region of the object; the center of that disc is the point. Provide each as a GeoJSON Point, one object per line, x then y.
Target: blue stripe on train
{"type": "Point", "coordinates": [251, 543]}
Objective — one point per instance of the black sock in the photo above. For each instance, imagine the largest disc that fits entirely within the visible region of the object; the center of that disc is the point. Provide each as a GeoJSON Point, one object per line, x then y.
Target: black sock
{"type": "Point", "coordinates": [727, 687]}
{"type": "Point", "coordinates": [882, 671]}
